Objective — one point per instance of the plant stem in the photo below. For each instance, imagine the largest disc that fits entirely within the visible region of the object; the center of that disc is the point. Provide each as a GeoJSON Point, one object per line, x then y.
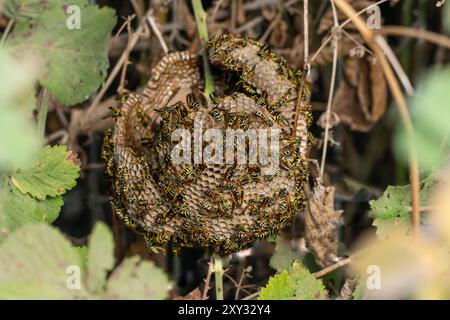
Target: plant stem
{"type": "Point", "coordinates": [218, 276]}
{"type": "Point", "coordinates": [6, 32]}
{"type": "Point", "coordinates": [42, 115]}
{"type": "Point", "coordinates": [200, 18]}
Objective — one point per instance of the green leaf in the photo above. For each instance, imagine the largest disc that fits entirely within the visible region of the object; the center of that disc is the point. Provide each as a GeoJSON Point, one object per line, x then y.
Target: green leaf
{"type": "Point", "coordinates": [38, 262]}
{"type": "Point", "coordinates": [100, 257]}
{"type": "Point", "coordinates": [392, 209]}
{"type": "Point", "coordinates": [22, 9]}
{"type": "Point", "coordinates": [18, 138]}
{"type": "Point", "coordinates": [284, 255]}
{"type": "Point", "coordinates": [431, 116]}
{"type": "Point", "coordinates": [296, 283]}
{"type": "Point", "coordinates": [135, 279]}
{"type": "Point", "coordinates": [53, 173]}
{"type": "Point", "coordinates": [75, 61]}
{"type": "Point", "coordinates": [83, 251]}
{"type": "Point", "coordinates": [279, 287]}
{"type": "Point", "coordinates": [33, 265]}
{"type": "Point", "coordinates": [359, 291]}
{"type": "Point", "coordinates": [17, 209]}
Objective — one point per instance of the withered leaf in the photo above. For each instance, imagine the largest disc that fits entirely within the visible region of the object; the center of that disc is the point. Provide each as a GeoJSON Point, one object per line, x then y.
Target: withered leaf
{"type": "Point", "coordinates": [361, 98]}
{"type": "Point", "coordinates": [322, 224]}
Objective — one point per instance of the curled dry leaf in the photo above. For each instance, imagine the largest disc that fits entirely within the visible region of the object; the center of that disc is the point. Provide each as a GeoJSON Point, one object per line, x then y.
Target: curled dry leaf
{"type": "Point", "coordinates": [193, 295]}
{"type": "Point", "coordinates": [361, 98]}
{"type": "Point", "coordinates": [322, 226]}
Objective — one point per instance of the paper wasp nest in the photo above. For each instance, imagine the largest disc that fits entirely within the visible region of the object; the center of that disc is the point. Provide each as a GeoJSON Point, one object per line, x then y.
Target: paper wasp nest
{"type": "Point", "coordinates": [226, 206]}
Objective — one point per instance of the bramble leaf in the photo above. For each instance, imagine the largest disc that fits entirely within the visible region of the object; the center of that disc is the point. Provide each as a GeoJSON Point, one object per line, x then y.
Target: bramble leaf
{"type": "Point", "coordinates": [392, 209]}
{"type": "Point", "coordinates": [135, 279]}
{"type": "Point", "coordinates": [17, 209]}
{"type": "Point", "coordinates": [75, 60]}
{"type": "Point", "coordinates": [34, 262]}
{"type": "Point", "coordinates": [53, 173]}
{"type": "Point", "coordinates": [38, 262]}
{"type": "Point", "coordinates": [296, 283]}
{"type": "Point", "coordinates": [100, 256]}
{"type": "Point", "coordinates": [284, 255]}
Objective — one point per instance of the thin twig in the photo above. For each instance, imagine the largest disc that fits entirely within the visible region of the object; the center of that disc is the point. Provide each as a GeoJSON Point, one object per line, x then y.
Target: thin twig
{"type": "Point", "coordinates": [306, 31]}
{"type": "Point", "coordinates": [155, 29]}
{"type": "Point", "coordinates": [331, 93]}
{"type": "Point", "coordinates": [208, 280]}
{"type": "Point", "coordinates": [438, 39]}
{"type": "Point", "coordinates": [370, 38]}
{"type": "Point", "coordinates": [333, 267]}
{"type": "Point", "coordinates": [128, 49]}
{"type": "Point", "coordinates": [252, 296]}
{"type": "Point", "coordinates": [401, 74]}
{"type": "Point", "coordinates": [200, 18]}
{"type": "Point", "coordinates": [337, 30]}
{"type": "Point", "coordinates": [6, 32]}
{"type": "Point", "coordinates": [42, 115]}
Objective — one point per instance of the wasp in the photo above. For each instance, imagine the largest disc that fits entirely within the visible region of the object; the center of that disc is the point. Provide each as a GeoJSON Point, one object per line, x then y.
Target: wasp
{"type": "Point", "coordinates": [260, 100]}
{"type": "Point", "coordinates": [231, 120]}
{"type": "Point", "coordinates": [215, 240]}
{"type": "Point", "coordinates": [281, 120]}
{"type": "Point", "coordinates": [186, 173]}
{"type": "Point", "coordinates": [116, 112]}
{"type": "Point", "coordinates": [192, 103]}
{"type": "Point", "coordinates": [264, 51]}
{"type": "Point", "coordinates": [214, 98]}
{"type": "Point", "coordinates": [248, 88]}
{"type": "Point", "coordinates": [162, 237]}
{"type": "Point", "coordinates": [207, 206]}
{"type": "Point", "coordinates": [236, 95]}
{"type": "Point", "coordinates": [216, 114]}
{"type": "Point", "coordinates": [283, 193]}
{"type": "Point", "coordinates": [247, 72]}
{"type": "Point", "coordinates": [258, 114]}
{"type": "Point", "coordinates": [230, 63]}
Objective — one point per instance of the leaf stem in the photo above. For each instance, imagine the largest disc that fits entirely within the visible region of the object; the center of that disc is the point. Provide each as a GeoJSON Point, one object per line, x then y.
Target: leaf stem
{"type": "Point", "coordinates": [218, 276]}
{"type": "Point", "coordinates": [200, 18]}
{"type": "Point", "coordinates": [42, 115]}
{"type": "Point", "coordinates": [6, 32]}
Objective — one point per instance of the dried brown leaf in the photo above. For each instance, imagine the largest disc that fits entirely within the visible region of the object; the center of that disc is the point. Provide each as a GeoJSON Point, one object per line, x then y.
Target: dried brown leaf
{"type": "Point", "coordinates": [322, 226]}
{"type": "Point", "coordinates": [361, 98]}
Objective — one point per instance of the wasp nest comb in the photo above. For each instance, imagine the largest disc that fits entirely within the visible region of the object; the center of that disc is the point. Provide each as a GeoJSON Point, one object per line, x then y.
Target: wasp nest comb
{"type": "Point", "coordinates": [226, 204]}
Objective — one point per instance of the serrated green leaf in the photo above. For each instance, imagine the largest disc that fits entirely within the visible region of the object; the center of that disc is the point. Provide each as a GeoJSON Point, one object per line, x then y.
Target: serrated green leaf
{"type": "Point", "coordinates": [53, 173]}
{"type": "Point", "coordinates": [100, 257]}
{"type": "Point", "coordinates": [284, 255]}
{"type": "Point", "coordinates": [17, 209]}
{"type": "Point", "coordinates": [279, 287]}
{"type": "Point", "coordinates": [392, 209]}
{"type": "Point", "coordinates": [22, 9]}
{"type": "Point", "coordinates": [33, 265]}
{"type": "Point", "coordinates": [296, 283]}
{"type": "Point", "coordinates": [75, 61]}
{"type": "Point", "coordinates": [135, 279]}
